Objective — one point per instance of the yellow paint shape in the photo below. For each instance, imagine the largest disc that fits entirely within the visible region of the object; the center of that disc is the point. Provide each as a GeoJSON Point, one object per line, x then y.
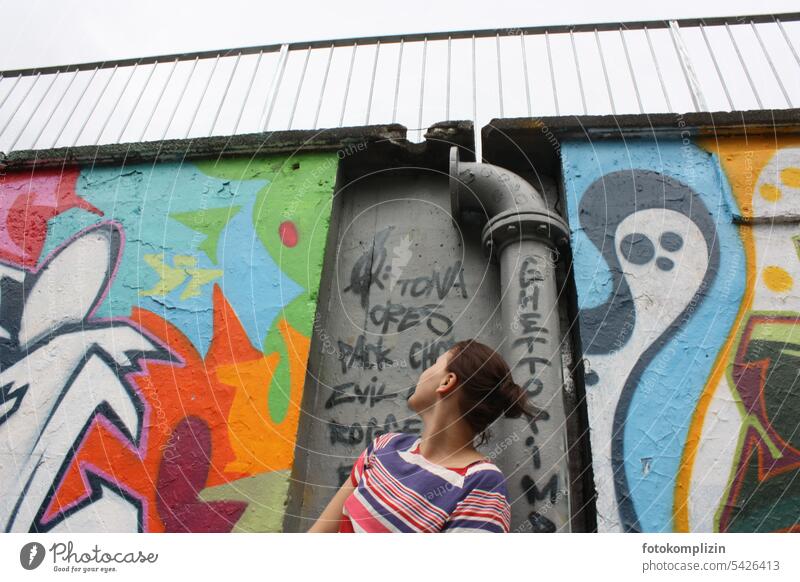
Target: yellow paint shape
{"type": "Point", "coordinates": [770, 192]}
{"type": "Point", "coordinates": [742, 159]}
{"type": "Point", "coordinates": [777, 279]}
{"type": "Point", "coordinates": [791, 177]}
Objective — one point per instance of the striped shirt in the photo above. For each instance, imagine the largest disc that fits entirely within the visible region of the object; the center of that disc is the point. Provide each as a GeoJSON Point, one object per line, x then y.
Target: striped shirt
{"type": "Point", "coordinates": [399, 490]}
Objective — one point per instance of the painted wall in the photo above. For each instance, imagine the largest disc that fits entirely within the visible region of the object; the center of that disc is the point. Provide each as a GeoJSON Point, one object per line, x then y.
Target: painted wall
{"type": "Point", "coordinates": [155, 323]}
{"type": "Point", "coordinates": [687, 253]}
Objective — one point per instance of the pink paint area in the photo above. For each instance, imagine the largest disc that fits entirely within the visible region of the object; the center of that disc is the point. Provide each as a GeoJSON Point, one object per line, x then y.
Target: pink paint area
{"type": "Point", "coordinates": [27, 202]}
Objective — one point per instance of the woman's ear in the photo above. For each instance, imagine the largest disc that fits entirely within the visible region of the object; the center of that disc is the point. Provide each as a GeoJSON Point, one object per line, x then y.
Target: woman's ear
{"type": "Point", "coordinates": [447, 383]}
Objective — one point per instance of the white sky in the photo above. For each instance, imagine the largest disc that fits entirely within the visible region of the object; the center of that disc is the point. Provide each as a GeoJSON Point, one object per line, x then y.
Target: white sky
{"type": "Point", "coordinates": [38, 32]}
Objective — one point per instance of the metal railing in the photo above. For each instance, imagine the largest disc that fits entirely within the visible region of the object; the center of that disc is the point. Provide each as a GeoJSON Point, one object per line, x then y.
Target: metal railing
{"type": "Point", "coordinates": [713, 64]}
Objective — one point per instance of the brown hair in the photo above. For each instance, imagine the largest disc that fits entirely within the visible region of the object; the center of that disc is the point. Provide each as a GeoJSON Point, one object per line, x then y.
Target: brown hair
{"type": "Point", "coordinates": [487, 388]}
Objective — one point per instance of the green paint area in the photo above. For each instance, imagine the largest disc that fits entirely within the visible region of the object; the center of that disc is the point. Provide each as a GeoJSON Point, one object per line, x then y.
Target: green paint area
{"type": "Point", "coordinates": [299, 191]}
{"type": "Point", "coordinates": [774, 503]}
{"type": "Point", "coordinates": [265, 495]}
{"type": "Point", "coordinates": [211, 223]}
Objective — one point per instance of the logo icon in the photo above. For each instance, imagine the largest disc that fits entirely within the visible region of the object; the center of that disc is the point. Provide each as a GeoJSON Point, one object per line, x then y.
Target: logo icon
{"type": "Point", "coordinates": [31, 555]}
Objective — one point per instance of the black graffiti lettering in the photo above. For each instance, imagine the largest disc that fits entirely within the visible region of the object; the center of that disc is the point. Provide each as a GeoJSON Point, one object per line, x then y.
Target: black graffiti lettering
{"type": "Point", "coordinates": [538, 386]}
{"type": "Point", "coordinates": [530, 321]}
{"type": "Point", "coordinates": [384, 315]}
{"type": "Point", "coordinates": [529, 341]}
{"type": "Point", "coordinates": [540, 524]}
{"type": "Point", "coordinates": [372, 393]}
{"type": "Point", "coordinates": [417, 289]}
{"type": "Point", "coordinates": [529, 272]}
{"type": "Point", "coordinates": [453, 278]}
{"type": "Point", "coordinates": [366, 269]}
{"type": "Point", "coordinates": [534, 494]}
{"type": "Point", "coordinates": [356, 434]}
{"type": "Point", "coordinates": [531, 361]}
{"type": "Point", "coordinates": [529, 298]}
{"type": "Point", "coordinates": [424, 354]}
{"type": "Point", "coordinates": [408, 317]}
{"type": "Point", "coordinates": [361, 354]}
{"type": "Point", "coordinates": [449, 281]}
{"type": "Point", "coordinates": [435, 316]}
{"type": "Point", "coordinates": [341, 433]}
{"type": "Point", "coordinates": [537, 458]}
{"type": "Point", "coordinates": [544, 416]}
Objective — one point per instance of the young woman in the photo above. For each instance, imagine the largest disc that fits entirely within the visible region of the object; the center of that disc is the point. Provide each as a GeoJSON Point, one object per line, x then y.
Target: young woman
{"type": "Point", "coordinates": [438, 481]}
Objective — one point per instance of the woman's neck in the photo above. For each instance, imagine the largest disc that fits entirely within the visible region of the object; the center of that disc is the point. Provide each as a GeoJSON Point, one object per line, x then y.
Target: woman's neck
{"type": "Point", "coordinates": [448, 443]}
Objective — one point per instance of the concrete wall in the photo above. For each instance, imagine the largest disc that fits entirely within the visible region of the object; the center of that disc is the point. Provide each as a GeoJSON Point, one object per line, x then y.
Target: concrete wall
{"type": "Point", "coordinates": [403, 284]}
{"type": "Point", "coordinates": [154, 330]}
{"type": "Point", "coordinates": [687, 252]}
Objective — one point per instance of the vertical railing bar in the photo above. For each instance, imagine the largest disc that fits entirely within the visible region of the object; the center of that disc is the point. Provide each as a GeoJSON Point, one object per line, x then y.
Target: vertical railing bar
{"type": "Point", "coordinates": [248, 92]}
{"type": "Point", "coordinates": [14, 86]}
{"type": "Point", "coordinates": [744, 67]}
{"type": "Point", "coordinates": [552, 72]}
{"type": "Point", "coordinates": [158, 101]}
{"type": "Point", "coordinates": [447, 98]}
{"type": "Point", "coordinates": [225, 93]}
{"type": "Point", "coordinates": [422, 87]}
{"type": "Point", "coordinates": [692, 83]}
{"type": "Point", "coordinates": [771, 65]}
{"type": "Point", "coordinates": [397, 81]}
{"type": "Point", "coordinates": [275, 87]}
{"type": "Point", "coordinates": [474, 86]}
{"type": "Point", "coordinates": [605, 71]}
{"type": "Point", "coordinates": [716, 65]}
{"type": "Point", "coordinates": [117, 102]}
{"type": "Point", "coordinates": [578, 70]}
{"type": "Point", "coordinates": [74, 108]}
{"type": "Point", "coordinates": [19, 105]}
{"type": "Point", "coordinates": [35, 109]}
{"type": "Point", "coordinates": [631, 71]}
{"type": "Point", "coordinates": [499, 75]}
{"type": "Point", "coordinates": [475, 129]}
{"type": "Point", "coordinates": [138, 99]}
{"type": "Point", "coordinates": [202, 96]}
{"type": "Point", "coordinates": [299, 87]}
{"type": "Point", "coordinates": [347, 83]}
{"type": "Point", "coordinates": [372, 81]}
{"type": "Point", "coordinates": [658, 69]}
{"type": "Point", "coordinates": [322, 89]}
{"type": "Point", "coordinates": [525, 74]}
{"type": "Point", "coordinates": [55, 108]}
{"type": "Point", "coordinates": [180, 98]}
{"type": "Point", "coordinates": [788, 41]}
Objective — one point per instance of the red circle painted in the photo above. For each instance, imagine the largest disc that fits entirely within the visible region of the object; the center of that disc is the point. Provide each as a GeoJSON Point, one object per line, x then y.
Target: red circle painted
{"type": "Point", "coordinates": [288, 233]}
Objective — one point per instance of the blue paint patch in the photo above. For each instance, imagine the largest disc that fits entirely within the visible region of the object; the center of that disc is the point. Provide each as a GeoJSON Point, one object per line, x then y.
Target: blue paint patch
{"type": "Point", "coordinates": [142, 198]}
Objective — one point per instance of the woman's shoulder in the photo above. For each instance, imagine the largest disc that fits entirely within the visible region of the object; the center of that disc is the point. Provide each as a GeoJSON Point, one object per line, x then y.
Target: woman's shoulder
{"type": "Point", "coordinates": [486, 476]}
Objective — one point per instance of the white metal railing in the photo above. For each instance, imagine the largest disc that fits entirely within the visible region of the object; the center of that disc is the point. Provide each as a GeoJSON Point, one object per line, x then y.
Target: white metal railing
{"type": "Point", "coordinates": [714, 64]}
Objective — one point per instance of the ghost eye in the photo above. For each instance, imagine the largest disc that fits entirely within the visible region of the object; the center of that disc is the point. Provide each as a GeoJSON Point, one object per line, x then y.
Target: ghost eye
{"type": "Point", "coordinates": [637, 248]}
{"type": "Point", "coordinates": [671, 241]}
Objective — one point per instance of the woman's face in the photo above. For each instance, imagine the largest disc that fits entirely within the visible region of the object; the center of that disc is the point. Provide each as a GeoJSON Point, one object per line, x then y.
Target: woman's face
{"type": "Point", "coordinates": [434, 382]}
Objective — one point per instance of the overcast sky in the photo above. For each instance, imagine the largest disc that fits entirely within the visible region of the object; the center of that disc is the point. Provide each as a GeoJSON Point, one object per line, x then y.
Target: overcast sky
{"type": "Point", "coordinates": [40, 32]}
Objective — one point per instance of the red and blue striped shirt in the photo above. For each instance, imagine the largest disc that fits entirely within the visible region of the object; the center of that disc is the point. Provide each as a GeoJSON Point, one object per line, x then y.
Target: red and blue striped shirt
{"type": "Point", "coordinates": [399, 490]}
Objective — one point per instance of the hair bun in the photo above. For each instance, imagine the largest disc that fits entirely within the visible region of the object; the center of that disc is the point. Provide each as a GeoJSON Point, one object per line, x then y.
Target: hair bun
{"type": "Point", "coordinates": [514, 398]}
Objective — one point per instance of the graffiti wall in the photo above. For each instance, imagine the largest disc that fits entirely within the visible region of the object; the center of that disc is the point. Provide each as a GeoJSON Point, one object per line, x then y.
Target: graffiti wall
{"type": "Point", "coordinates": [686, 256]}
{"type": "Point", "coordinates": [155, 323]}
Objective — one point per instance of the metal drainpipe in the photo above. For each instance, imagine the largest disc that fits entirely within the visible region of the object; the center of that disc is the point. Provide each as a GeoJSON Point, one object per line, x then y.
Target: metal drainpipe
{"type": "Point", "coordinates": [526, 238]}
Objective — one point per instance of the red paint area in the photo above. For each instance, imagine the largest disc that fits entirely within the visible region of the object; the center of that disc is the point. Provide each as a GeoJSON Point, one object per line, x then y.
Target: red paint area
{"type": "Point", "coordinates": [288, 233]}
{"type": "Point", "coordinates": [182, 475]}
{"type": "Point", "coordinates": [27, 202]}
